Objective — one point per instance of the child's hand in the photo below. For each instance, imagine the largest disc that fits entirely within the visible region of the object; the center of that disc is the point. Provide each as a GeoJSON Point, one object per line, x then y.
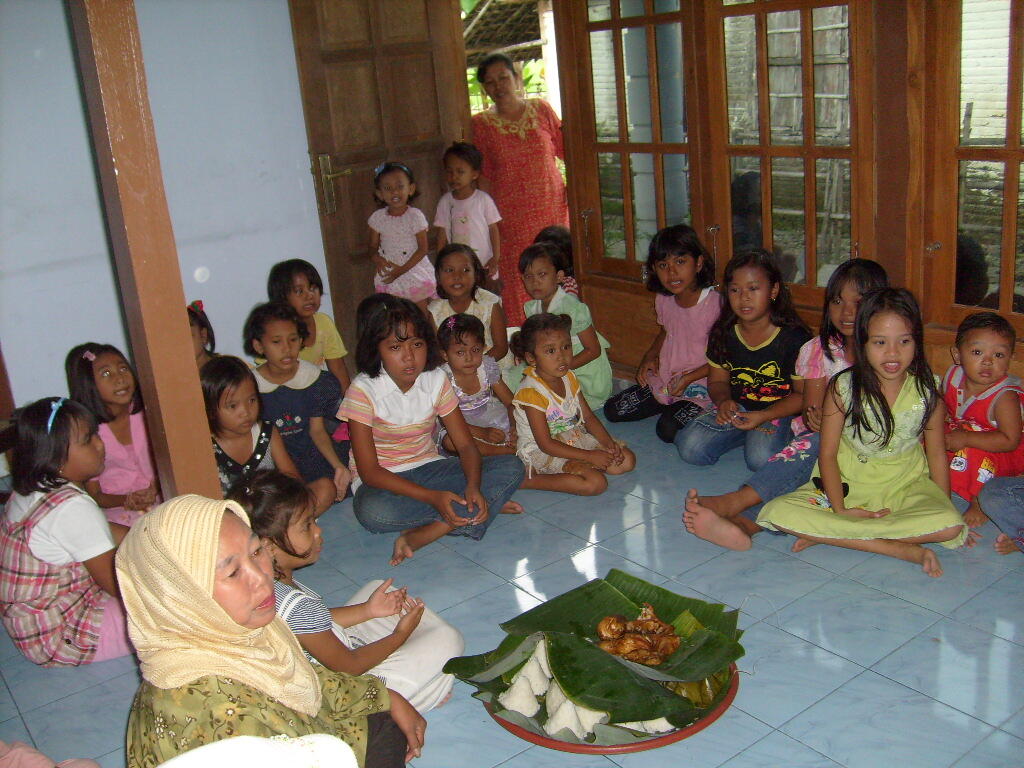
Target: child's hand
{"type": "Point", "coordinates": [475, 501]}
{"type": "Point", "coordinates": [384, 603]}
{"type": "Point", "coordinates": [600, 458]}
{"type": "Point", "coordinates": [140, 500]}
{"type": "Point", "coordinates": [956, 440]}
{"type": "Point", "coordinates": [864, 513]}
{"type": "Point", "coordinates": [678, 384]}
{"type": "Point", "coordinates": [748, 420]}
{"type": "Point", "coordinates": [380, 264]}
{"type": "Point", "coordinates": [646, 368]}
{"type": "Point", "coordinates": [812, 418]}
{"type": "Point", "coordinates": [617, 455]}
{"type": "Point", "coordinates": [410, 619]}
{"type": "Point", "coordinates": [342, 478]}
{"type": "Point", "coordinates": [443, 501]}
{"type": "Point", "coordinates": [727, 411]}
{"type": "Point", "coordinates": [492, 268]}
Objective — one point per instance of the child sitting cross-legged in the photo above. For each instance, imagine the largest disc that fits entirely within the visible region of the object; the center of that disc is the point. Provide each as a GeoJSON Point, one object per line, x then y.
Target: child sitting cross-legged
{"type": "Point", "coordinates": [558, 435]}
{"type": "Point", "coordinates": [380, 630]}
{"type": "Point", "coordinates": [983, 409]}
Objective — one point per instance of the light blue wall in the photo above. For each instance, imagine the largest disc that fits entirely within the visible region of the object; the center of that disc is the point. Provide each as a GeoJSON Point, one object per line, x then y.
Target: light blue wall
{"type": "Point", "coordinates": [225, 99]}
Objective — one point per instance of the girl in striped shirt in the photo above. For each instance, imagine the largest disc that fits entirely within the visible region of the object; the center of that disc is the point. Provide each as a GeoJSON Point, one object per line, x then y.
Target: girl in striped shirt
{"type": "Point", "coordinates": [401, 482]}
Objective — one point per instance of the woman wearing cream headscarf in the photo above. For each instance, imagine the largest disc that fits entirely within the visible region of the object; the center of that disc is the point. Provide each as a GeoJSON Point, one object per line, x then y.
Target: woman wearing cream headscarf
{"type": "Point", "coordinates": [217, 662]}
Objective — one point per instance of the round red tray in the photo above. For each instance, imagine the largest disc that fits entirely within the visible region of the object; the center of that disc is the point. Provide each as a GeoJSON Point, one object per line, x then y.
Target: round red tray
{"type": "Point", "coordinates": [636, 746]}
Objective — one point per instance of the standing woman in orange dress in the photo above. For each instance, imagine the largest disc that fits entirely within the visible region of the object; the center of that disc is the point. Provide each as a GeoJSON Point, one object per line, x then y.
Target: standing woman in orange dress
{"type": "Point", "coordinates": [520, 139]}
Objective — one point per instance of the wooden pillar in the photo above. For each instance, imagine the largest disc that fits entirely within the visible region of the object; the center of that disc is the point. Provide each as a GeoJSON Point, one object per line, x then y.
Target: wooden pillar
{"type": "Point", "coordinates": [109, 52]}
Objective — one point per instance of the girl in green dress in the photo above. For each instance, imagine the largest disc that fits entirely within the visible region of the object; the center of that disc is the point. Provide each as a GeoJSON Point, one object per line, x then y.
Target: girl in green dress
{"type": "Point", "coordinates": [876, 488]}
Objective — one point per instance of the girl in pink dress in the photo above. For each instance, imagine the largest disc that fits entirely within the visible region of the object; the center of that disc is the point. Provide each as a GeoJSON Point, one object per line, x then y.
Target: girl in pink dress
{"type": "Point", "coordinates": [672, 376]}
{"type": "Point", "coordinates": [520, 140]}
{"type": "Point", "coordinates": [101, 379]}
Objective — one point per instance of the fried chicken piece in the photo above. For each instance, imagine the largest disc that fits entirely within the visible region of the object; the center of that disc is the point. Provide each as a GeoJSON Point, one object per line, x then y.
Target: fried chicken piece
{"type": "Point", "coordinates": [665, 645]}
{"type": "Point", "coordinates": [649, 624]}
{"type": "Point", "coordinates": [650, 658]}
{"type": "Point", "coordinates": [611, 627]}
{"type": "Point", "coordinates": [628, 643]}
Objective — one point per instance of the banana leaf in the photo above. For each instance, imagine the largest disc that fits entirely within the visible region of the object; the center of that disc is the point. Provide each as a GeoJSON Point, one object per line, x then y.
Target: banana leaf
{"type": "Point", "coordinates": [513, 651]}
{"type": "Point", "coordinates": [577, 611]}
{"type": "Point", "coordinates": [594, 679]}
{"type": "Point", "coordinates": [668, 605]}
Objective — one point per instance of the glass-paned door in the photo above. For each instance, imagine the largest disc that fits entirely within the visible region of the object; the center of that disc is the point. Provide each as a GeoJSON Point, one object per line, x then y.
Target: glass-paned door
{"type": "Point", "coordinates": [789, 131]}
{"type": "Point", "coordinates": [635, 131]}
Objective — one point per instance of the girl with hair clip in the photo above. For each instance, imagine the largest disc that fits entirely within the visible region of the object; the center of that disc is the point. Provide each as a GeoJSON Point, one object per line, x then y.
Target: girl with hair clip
{"type": "Point", "coordinates": [560, 237]}
{"type": "Point", "coordinates": [402, 482]}
{"type": "Point", "coordinates": [380, 630]}
{"type": "Point", "coordinates": [398, 237]}
{"type": "Point", "coordinates": [297, 283]}
{"type": "Point", "coordinates": [564, 446]}
{"type": "Point", "coordinates": [484, 399]}
{"type": "Point", "coordinates": [460, 279]}
{"type": "Point", "coordinates": [58, 594]}
{"type": "Point", "coordinates": [672, 376]}
{"type": "Point", "coordinates": [728, 520]}
{"type": "Point", "coordinates": [752, 351]}
{"type": "Point", "coordinates": [296, 395]}
{"type": "Point", "coordinates": [875, 487]}
{"type": "Point", "coordinates": [102, 379]}
{"type": "Point", "coordinates": [203, 341]}
{"type": "Point", "coordinates": [244, 443]}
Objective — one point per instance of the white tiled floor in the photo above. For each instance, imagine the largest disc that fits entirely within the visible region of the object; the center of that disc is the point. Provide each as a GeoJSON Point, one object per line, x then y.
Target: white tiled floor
{"type": "Point", "coordinates": [852, 660]}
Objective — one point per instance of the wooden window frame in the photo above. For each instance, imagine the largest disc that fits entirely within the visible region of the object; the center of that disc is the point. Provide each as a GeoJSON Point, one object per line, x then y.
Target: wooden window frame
{"type": "Point", "coordinates": [860, 151]}
{"type": "Point", "coordinates": [941, 24]}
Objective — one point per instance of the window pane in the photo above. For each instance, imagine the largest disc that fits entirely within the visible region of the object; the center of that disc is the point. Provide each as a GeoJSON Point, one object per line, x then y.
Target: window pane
{"type": "Point", "coordinates": [613, 224]}
{"type": "Point", "coordinates": [979, 233]}
{"type": "Point", "coordinates": [745, 195]}
{"type": "Point", "coordinates": [669, 41]}
{"type": "Point", "coordinates": [664, 6]}
{"type": "Point", "coordinates": [602, 61]}
{"type": "Point", "coordinates": [631, 7]}
{"type": "Point", "coordinates": [736, 2]}
{"type": "Point", "coordinates": [676, 172]}
{"type": "Point", "coordinates": [599, 10]}
{"type": "Point", "coordinates": [832, 206]}
{"type": "Point", "coordinates": [785, 89]}
{"type": "Point", "coordinates": [984, 64]}
{"type": "Point", "coordinates": [741, 78]}
{"type": "Point", "coordinates": [788, 226]}
{"type": "Point", "coordinates": [831, 75]}
{"type": "Point", "coordinates": [645, 208]}
{"type": "Point", "coordinates": [638, 84]}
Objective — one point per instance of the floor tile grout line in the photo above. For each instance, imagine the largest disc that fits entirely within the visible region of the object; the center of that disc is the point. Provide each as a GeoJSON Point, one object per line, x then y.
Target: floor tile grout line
{"type": "Point", "coordinates": [83, 690]}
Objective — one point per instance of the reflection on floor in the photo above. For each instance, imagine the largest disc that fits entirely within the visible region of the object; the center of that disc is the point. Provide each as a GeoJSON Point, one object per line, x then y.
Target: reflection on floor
{"type": "Point", "coordinates": [852, 659]}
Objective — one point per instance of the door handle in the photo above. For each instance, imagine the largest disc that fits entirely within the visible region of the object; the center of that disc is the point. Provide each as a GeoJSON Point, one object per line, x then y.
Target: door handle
{"type": "Point", "coordinates": [321, 168]}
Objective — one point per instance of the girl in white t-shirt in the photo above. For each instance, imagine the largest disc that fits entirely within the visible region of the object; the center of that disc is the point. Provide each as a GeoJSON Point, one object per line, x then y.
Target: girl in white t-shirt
{"type": "Point", "coordinates": [466, 214]}
{"type": "Point", "coordinates": [398, 237]}
{"type": "Point", "coordinates": [402, 483]}
{"type": "Point", "coordinates": [380, 630]}
{"type": "Point", "coordinates": [460, 280]}
{"type": "Point", "coordinates": [58, 593]}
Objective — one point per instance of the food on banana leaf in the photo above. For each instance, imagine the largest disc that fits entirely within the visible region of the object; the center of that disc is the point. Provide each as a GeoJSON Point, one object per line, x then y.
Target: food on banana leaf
{"type": "Point", "coordinates": [644, 640]}
{"type": "Point", "coordinates": [611, 627]}
{"type": "Point", "coordinates": [579, 720]}
{"type": "Point", "coordinates": [659, 725]}
{"type": "Point", "coordinates": [520, 697]}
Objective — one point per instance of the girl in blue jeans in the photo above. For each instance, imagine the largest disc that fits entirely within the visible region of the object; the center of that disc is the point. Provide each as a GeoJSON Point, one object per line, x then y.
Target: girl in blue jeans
{"type": "Point", "coordinates": [392, 406]}
{"type": "Point", "coordinates": [752, 351]}
{"type": "Point", "coordinates": [728, 520]}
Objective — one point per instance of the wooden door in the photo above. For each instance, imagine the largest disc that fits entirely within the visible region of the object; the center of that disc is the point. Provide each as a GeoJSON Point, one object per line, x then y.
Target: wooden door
{"type": "Point", "coordinates": [380, 80]}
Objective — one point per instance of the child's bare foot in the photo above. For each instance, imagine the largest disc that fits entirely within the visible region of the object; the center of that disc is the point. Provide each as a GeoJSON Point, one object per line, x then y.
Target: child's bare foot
{"type": "Point", "coordinates": [703, 523]}
{"type": "Point", "coordinates": [801, 544]}
{"type": "Point", "coordinates": [443, 701]}
{"type": "Point", "coordinates": [576, 467]}
{"type": "Point", "coordinates": [1004, 545]}
{"type": "Point", "coordinates": [402, 550]}
{"type": "Point", "coordinates": [930, 563]}
{"type": "Point", "coordinates": [510, 508]}
{"type": "Point", "coordinates": [974, 517]}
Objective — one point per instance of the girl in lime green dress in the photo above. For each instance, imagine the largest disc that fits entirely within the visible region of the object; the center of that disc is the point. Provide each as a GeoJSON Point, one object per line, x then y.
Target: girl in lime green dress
{"type": "Point", "coordinates": [876, 488]}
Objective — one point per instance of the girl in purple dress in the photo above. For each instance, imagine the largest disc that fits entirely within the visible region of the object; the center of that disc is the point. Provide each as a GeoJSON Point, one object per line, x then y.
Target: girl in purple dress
{"type": "Point", "coordinates": [484, 399]}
